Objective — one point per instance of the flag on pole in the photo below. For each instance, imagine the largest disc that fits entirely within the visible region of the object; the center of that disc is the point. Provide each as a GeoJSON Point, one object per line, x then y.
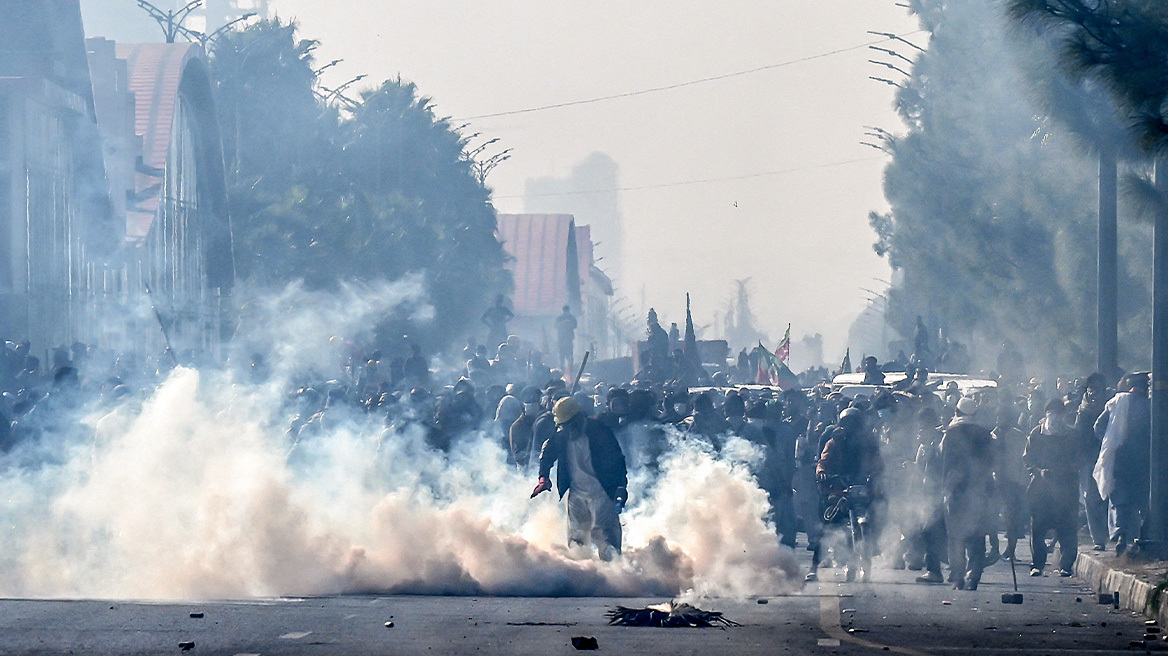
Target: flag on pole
{"type": "Point", "coordinates": [763, 375]}
{"type": "Point", "coordinates": [846, 366]}
{"type": "Point", "coordinates": [773, 371]}
{"type": "Point", "coordinates": [783, 353]}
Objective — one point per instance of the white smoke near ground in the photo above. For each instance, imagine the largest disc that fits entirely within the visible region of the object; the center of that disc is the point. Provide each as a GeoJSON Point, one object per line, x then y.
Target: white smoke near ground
{"type": "Point", "coordinates": [196, 491]}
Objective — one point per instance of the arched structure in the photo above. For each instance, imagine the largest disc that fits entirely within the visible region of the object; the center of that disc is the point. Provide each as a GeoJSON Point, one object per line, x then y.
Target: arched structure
{"type": "Point", "coordinates": [177, 228]}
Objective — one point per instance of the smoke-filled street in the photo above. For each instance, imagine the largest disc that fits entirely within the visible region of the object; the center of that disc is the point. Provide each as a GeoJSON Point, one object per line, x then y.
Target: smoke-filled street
{"type": "Point", "coordinates": [374, 326]}
{"type": "Point", "coordinates": [1058, 616]}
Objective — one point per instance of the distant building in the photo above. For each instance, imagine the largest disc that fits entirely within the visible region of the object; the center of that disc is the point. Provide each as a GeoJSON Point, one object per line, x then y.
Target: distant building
{"type": "Point", "coordinates": [598, 176]}
{"type": "Point", "coordinates": [217, 13]}
{"type": "Point", "coordinates": [539, 245]}
{"type": "Point", "coordinates": [111, 184]}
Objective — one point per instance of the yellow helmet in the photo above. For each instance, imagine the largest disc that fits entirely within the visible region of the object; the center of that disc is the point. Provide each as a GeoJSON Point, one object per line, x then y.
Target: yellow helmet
{"type": "Point", "coordinates": [566, 410]}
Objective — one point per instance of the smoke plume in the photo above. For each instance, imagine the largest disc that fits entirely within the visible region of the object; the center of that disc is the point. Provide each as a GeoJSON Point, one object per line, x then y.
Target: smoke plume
{"type": "Point", "coordinates": [196, 489]}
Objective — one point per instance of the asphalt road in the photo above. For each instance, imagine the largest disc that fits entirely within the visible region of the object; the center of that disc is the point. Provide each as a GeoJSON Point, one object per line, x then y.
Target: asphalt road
{"type": "Point", "coordinates": [890, 614]}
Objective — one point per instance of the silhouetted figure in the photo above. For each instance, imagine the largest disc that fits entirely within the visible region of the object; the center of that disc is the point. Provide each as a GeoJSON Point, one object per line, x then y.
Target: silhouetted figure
{"type": "Point", "coordinates": [416, 369]}
{"type": "Point", "coordinates": [566, 336]}
{"type": "Point", "coordinates": [921, 342]}
{"type": "Point", "coordinates": [1011, 363]}
{"type": "Point", "coordinates": [656, 340]}
{"type": "Point", "coordinates": [872, 373]}
{"type": "Point", "coordinates": [496, 318]}
{"type": "Point", "coordinates": [1052, 458]}
{"type": "Point", "coordinates": [967, 465]}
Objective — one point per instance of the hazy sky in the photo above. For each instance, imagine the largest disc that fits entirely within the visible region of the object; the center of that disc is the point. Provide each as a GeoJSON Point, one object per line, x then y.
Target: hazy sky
{"type": "Point", "coordinates": [802, 236]}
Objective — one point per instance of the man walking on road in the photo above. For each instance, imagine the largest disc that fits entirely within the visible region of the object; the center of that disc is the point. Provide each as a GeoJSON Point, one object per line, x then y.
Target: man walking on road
{"type": "Point", "coordinates": [1095, 397]}
{"type": "Point", "coordinates": [591, 473]}
{"type": "Point", "coordinates": [1122, 469]}
{"type": "Point", "coordinates": [1052, 458]}
{"type": "Point", "coordinates": [967, 464]}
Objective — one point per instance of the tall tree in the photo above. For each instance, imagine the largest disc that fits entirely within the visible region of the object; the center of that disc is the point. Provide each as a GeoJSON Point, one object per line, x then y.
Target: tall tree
{"type": "Point", "coordinates": [992, 222]}
{"type": "Point", "coordinates": [381, 189]}
{"type": "Point", "coordinates": [1124, 45]}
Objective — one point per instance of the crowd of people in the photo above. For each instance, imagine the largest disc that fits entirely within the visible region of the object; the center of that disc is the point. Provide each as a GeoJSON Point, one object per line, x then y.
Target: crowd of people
{"type": "Point", "coordinates": [952, 472]}
{"type": "Point", "coordinates": [949, 471]}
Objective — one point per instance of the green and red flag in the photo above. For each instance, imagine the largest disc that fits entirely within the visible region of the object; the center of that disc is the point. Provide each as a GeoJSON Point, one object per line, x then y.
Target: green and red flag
{"type": "Point", "coordinates": [773, 371]}
{"type": "Point", "coordinates": [783, 353]}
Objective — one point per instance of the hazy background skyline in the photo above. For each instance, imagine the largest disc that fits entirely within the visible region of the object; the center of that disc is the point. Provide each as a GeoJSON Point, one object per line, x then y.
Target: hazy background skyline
{"type": "Point", "coordinates": [795, 223]}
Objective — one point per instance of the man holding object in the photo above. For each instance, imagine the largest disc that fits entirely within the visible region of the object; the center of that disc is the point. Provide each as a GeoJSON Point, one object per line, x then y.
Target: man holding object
{"type": "Point", "coordinates": [591, 473]}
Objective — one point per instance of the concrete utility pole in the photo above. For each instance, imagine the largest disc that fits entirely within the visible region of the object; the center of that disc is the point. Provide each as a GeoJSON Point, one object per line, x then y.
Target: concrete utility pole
{"type": "Point", "coordinates": [1157, 524]}
{"type": "Point", "coordinates": [1108, 278]}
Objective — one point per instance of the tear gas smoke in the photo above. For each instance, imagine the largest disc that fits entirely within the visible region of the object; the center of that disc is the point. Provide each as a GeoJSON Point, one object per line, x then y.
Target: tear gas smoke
{"type": "Point", "coordinates": [197, 491]}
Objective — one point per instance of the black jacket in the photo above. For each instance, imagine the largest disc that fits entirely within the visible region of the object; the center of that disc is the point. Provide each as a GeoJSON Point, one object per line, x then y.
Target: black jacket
{"type": "Point", "coordinates": [967, 462]}
{"type": "Point", "coordinates": [1053, 462]}
{"type": "Point", "coordinates": [607, 459]}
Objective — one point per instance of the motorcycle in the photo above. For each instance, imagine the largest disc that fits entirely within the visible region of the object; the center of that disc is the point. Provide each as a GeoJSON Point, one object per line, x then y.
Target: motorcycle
{"type": "Point", "coordinates": [856, 501]}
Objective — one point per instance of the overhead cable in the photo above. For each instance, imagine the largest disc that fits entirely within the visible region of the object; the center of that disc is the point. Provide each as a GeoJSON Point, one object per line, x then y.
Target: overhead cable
{"type": "Point", "coordinates": [678, 85]}
{"type": "Point", "coordinates": [684, 183]}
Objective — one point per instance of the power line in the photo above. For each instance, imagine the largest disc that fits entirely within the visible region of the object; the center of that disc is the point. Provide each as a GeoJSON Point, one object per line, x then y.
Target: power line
{"type": "Point", "coordinates": [670, 87]}
{"type": "Point", "coordinates": [684, 183]}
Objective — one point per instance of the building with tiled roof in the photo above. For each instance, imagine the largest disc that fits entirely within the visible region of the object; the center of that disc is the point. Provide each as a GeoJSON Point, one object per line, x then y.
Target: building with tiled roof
{"type": "Point", "coordinates": [542, 249]}
{"type": "Point", "coordinates": [178, 234]}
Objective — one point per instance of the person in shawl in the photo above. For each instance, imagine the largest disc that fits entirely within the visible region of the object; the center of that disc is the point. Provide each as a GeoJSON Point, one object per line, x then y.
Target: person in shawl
{"type": "Point", "coordinates": [1122, 470]}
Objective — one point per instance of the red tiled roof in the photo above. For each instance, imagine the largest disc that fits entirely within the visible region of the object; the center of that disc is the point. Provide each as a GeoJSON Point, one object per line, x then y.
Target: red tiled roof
{"type": "Point", "coordinates": [539, 245]}
{"type": "Point", "coordinates": [155, 73]}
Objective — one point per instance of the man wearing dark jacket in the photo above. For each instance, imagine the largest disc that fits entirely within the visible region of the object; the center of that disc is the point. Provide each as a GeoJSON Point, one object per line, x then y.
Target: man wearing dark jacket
{"type": "Point", "coordinates": [1054, 453]}
{"type": "Point", "coordinates": [850, 457]}
{"type": "Point", "coordinates": [1095, 397]}
{"type": "Point", "coordinates": [590, 472]}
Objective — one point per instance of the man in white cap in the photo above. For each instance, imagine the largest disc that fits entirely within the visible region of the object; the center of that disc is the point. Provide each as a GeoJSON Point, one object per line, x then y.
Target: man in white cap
{"type": "Point", "coordinates": [591, 472]}
{"type": "Point", "coordinates": [967, 467]}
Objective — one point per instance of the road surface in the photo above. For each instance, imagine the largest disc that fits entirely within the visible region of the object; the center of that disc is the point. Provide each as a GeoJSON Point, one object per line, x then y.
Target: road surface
{"type": "Point", "coordinates": [891, 614]}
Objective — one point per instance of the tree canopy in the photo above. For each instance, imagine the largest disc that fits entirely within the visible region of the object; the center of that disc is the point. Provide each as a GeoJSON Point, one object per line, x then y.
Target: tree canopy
{"type": "Point", "coordinates": [992, 204]}
{"type": "Point", "coordinates": [1124, 45]}
{"type": "Point", "coordinates": [326, 189]}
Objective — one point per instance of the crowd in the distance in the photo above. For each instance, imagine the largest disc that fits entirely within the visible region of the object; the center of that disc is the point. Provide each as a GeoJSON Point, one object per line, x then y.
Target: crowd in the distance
{"type": "Point", "coordinates": [951, 469]}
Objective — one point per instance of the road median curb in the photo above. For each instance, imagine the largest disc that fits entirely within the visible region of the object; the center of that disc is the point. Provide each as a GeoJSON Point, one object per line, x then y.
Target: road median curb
{"type": "Point", "coordinates": [1134, 592]}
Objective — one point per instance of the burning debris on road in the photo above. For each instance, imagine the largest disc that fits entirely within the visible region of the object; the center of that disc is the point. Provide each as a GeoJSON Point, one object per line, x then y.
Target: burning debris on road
{"type": "Point", "coordinates": [669, 614]}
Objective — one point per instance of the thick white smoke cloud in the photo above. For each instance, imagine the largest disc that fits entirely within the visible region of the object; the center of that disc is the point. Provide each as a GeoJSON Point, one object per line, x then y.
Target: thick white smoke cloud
{"type": "Point", "coordinates": [196, 493]}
